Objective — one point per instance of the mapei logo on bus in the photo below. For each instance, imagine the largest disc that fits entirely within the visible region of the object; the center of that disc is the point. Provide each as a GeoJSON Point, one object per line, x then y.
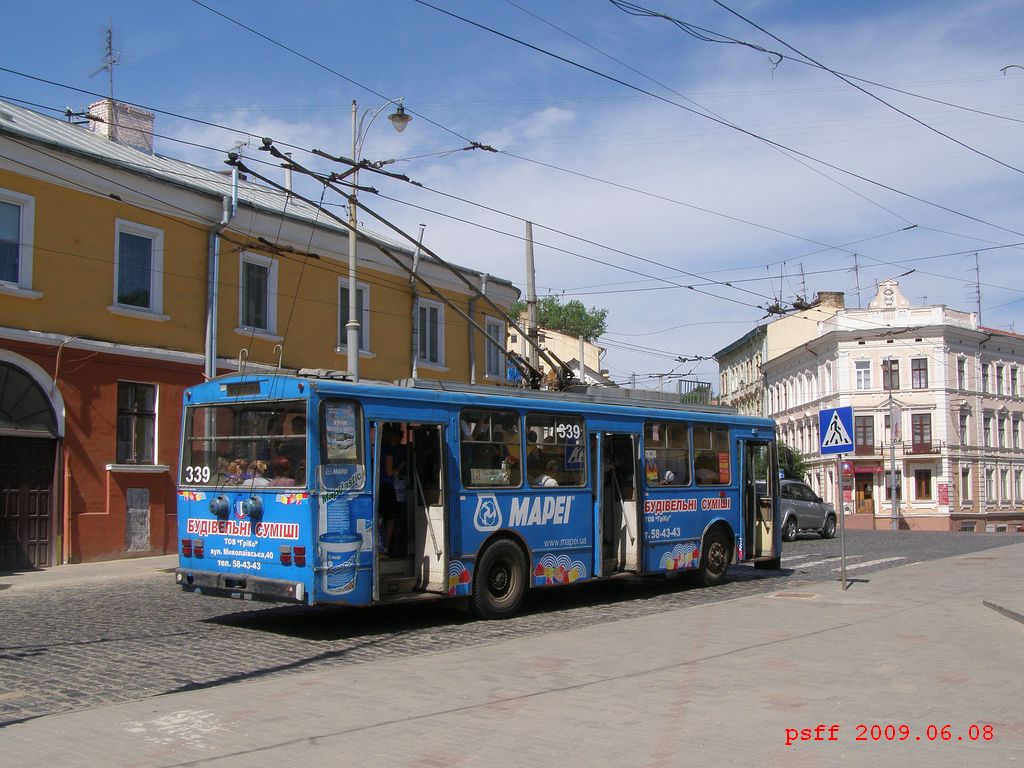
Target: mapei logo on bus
{"type": "Point", "coordinates": [526, 510]}
{"type": "Point", "coordinates": [288, 531]}
{"type": "Point", "coordinates": [708, 503]}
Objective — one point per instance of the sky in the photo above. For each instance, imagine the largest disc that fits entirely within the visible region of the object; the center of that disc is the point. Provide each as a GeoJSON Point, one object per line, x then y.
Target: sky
{"type": "Point", "coordinates": [683, 184]}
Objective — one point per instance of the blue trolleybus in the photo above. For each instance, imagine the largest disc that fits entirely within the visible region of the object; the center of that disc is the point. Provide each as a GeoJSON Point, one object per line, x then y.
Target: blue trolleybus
{"type": "Point", "coordinates": [312, 489]}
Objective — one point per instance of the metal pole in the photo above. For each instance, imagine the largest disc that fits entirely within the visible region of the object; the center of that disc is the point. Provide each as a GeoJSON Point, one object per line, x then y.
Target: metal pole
{"type": "Point", "coordinates": [352, 326]}
{"type": "Point", "coordinates": [895, 522]}
{"type": "Point", "coordinates": [841, 514]}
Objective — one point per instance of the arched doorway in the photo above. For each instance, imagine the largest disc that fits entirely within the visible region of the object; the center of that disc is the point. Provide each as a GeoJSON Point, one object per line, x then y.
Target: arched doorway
{"type": "Point", "coordinates": [30, 428]}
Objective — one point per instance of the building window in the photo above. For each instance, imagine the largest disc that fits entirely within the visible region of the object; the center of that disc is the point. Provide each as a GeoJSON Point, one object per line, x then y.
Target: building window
{"type": "Point", "coordinates": [1015, 431]}
{"type": "Point", "coordinates": [919, 373]}
{"type": "Point", "coordinates": [136, 423]}
{"type": "Point", "coordinates": [965, 484]}
{"type": "Point", "coordinates": [430, 329]}
{"type": "Point", "coordinates": [921, 432]}
{"type": "Point", "coordinates": [890, 436]}
{"type": "Point", "coordinates": [984, 377]}
{"type": "Point", "coordinates": [864, 434]}
{"type": "Point", "coordinates": [964, 440]}
{"type": "Point", "coordinates": [999, 379]}
{"type": "Point", "coordinates": [990, 485]}
{"type": "Point", "coordinates": [1018, 485]}
{"type": "Point", "coordinates": [362, 311]}
{"type": "Point", "coordinates": [258, 296]}
{"type": "Point", "coordinates": [139, 267]}
{"type": "Point", "coordinates": [961, 373]}
{"type": "Point", "coordinates": [923, 484]}
{"type": "Point", "coordinates": [863, 368]}
{"type": "Point", "coordinates": [1002, 432]}
{"type": "Point", "coordinates": [17, 217]}
{"type": "Point", "coordinates": [1013, 382]}
{"type": "Point", "coordinates": [890, 374]}
{"type": "Point", "coordinates": [987, 436]}
{"type": "Point", "coordinates": [496, 347]}
{"type": "Point", "coordinates": [899, 485]}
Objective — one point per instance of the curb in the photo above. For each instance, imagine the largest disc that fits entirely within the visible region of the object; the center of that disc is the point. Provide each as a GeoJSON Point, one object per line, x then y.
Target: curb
{"type": "Point", "coordinates": [1007, 612]}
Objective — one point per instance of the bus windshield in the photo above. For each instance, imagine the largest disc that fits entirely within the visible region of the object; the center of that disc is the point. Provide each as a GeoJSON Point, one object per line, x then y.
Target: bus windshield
{"type": "Point", "coordinates": [250, 444]}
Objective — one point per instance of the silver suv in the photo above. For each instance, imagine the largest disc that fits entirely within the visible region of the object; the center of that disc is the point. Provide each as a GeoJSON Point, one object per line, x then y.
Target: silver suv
{"type": "Point", "coordinates": [803, 510]}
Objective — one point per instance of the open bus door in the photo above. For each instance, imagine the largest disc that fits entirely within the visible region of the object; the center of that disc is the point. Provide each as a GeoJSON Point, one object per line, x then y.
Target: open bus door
{"type": "Point", "coordinates": [617, 501]}
{"type": "Point", "coordinates": [760, 490]}
{"type": "Point", "coordinates": [410, 516]}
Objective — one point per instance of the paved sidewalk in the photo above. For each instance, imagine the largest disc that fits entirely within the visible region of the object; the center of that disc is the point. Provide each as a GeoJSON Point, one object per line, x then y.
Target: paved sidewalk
{"type": "Point", "coordinates": [722, 684]}
{"type": "Point", "coordinates": [81, 573]}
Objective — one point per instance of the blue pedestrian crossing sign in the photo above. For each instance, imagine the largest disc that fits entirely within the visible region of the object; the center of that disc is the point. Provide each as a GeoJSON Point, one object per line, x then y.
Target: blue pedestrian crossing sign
{"type": "Point", "coordinates": [835, 426]}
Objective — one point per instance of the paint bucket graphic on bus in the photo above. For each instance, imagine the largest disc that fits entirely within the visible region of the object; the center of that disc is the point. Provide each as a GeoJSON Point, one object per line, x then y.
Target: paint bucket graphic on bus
{"type": "Point", "coordinates": [339, 554]}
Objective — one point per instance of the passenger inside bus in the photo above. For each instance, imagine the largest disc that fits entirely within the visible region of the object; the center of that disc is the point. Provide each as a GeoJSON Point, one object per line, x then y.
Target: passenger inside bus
{"type": "Point", "coordinates": [544, 476]}
{"type": "Point", "coordinates": [392, 492]}
{"type": "Point", "coordinates": [281, 471]}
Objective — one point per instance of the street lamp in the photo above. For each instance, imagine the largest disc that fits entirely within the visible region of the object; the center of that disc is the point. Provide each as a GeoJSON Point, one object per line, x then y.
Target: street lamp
{"type": "Point", "coordinates": [399, 119]}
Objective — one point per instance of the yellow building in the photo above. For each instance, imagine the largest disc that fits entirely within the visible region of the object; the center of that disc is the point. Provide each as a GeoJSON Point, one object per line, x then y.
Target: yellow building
{"type": "Point", "coordinates": [126, 276]}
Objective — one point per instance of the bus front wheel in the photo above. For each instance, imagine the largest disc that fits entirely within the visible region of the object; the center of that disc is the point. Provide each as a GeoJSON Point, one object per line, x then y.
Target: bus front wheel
{"type": "Point", "coordinates": [499, 583]}
{"type": "Point", "coordinates": [714, 559]}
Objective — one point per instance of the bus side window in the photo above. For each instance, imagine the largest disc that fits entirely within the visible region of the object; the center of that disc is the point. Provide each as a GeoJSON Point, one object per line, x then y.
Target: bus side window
{"type": "Point", "coordinates": [490, 449]}
{"type": "Point", "coordinates": [667, 453]}
{"type": "Point", "coordinates": [711, 454]}
{"type": "Point", "coordinates": [555, 450]}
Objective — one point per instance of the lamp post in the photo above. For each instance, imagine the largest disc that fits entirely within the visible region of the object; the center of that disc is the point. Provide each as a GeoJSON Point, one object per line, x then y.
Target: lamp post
{"type": "Point", "coordinates": [399, 119]}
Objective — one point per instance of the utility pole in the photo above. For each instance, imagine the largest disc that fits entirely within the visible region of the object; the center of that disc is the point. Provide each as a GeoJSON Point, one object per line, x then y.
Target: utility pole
{"type": "Point", "coordinates": [531, 300]}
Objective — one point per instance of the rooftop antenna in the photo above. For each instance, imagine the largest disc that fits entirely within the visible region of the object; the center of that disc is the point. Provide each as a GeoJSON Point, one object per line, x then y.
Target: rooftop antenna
{"type": "Point", "coordinates": [856, 278]}
{"type": "Point", "coordinates": [977, 284]}
{"type": "Point", "coordinates": [111, 58]}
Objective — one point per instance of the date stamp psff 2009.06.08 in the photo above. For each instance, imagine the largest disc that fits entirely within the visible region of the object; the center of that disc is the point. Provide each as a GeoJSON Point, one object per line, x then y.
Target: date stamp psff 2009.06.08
{"type": "Point", "coordinates": [892, 732]}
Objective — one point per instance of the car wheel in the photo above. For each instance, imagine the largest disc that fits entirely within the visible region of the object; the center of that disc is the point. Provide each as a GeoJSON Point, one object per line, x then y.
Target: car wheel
{"type": "Point", "coordinates": [828, 531]}
{"type": "Point", "coordinates": [499, 583]}
{"type": "Point", "coordinates": [714, 559]}
{"type": "Point", "coordinates": [789, 529]}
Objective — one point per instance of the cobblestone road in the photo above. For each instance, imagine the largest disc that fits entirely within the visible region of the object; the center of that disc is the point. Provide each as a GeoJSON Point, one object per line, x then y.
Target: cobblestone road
{"type": "Point", "coordinates": [79, 646]}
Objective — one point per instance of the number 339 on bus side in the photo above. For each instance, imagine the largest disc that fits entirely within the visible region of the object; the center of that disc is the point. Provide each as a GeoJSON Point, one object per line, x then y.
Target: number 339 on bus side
{"type": "Point", "coordinates": [197, 474]}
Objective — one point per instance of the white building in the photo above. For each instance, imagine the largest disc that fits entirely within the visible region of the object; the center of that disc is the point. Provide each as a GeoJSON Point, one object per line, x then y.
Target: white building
{"type": "Point", "coordinates": [952, 388]}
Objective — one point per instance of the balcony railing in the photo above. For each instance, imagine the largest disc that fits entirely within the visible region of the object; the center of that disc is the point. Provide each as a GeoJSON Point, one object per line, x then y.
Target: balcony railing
{"type": "Point", "coordinates": [935, 446]}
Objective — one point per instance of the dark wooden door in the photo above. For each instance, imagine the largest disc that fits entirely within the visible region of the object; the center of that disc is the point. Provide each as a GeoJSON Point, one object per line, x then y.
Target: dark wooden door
{"type": "Point", "coordinates": [26, 486]}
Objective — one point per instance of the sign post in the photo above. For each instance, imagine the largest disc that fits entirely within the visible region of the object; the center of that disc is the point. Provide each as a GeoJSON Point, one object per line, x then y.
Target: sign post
{"type": "Point", "coordinates": [835, 426]}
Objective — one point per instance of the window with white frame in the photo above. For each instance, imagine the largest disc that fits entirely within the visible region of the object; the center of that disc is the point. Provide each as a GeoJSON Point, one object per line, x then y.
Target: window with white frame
{"type": "Point", "coordinates": [984, 377]}
{"type": "Point", "coordinates": [1018, 485]}
{"type": "Point", "coordinates": [987, 431]}
{"type": "Point", "coordinates": [999, 379]}
{"type": "Point", "coordinates": [1014, 391]}
{"type": "Point", "coordinates": [495, 346]}
{"type": "Point", "coordinates": [1004, 485]}
{"type": "Point", "coordinates": [965, 483]}
{"type": "Point", "coordinates": [258, 295]}
{"type": "Point", "coordinates": [1015, 431]}
{"type": "Point", "coordinates": [1002, 431]}
{"type": "Point", "coordinates": [430, 332]}
{"type": "Point", "coordinates": [961, 373]}
{"type": "Point", "coordinates": [863, 369]}
{"type": "Point", "coordinates": [362, 313]}
{"type": "Point", "coordinates": [138, 267]}
{"type": "Point", "coordinates": [990, 484]}
{"type": "Point", "coordinates": [17, 217]}
{"type": "Point", "coordinates": [963, 427]}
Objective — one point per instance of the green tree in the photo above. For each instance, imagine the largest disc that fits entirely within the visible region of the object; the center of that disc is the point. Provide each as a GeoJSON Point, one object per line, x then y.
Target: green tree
{"type": "Point", "coordinates": [791, 462]}
{"type": "Point", "coordinates": [572, 318]}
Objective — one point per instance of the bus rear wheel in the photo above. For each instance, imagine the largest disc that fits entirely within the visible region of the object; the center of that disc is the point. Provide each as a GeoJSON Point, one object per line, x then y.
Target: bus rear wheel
{"type": "Point", "coordinates": [714, 559]}
{"type": "Point", "coordinates": [499, 584]}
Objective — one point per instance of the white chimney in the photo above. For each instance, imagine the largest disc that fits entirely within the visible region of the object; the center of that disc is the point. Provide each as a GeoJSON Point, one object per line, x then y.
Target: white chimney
{"type": "Point", "coordinates": [125, 124]}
